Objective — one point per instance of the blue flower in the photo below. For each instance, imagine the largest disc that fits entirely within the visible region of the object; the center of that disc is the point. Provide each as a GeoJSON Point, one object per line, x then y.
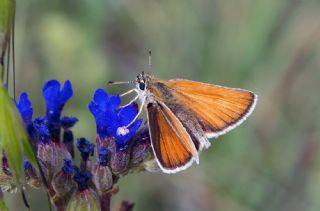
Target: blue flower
{"type": "Point", "coordinates": [26, 111]}
{"type": "Point", "coordinates": [103, 108]}
{"type": "Point", "coordinates": [5, 86]}
{"type": "Point", "coordinates": [68, 122]}
{"type": "Point", "coordinates": [41, 124]}
{"type": "Point", "coordinates": [103, 153]}
{"type": "Point", "coordinates": [82, 178]}
{"type": "Point", "coordinates": [85, 147]}
{"type": "Point", "coordinates": [55, 100]}
{"type": "Point", "coordinates": [103, 102]}
{"type": "Point", "coordinates": [26, 165]}
{"type": "Point", "coordinates": [68, 167]}
{"type": "Point", "coordinates": [109, 118]}
{"type": "Point", "coordinates": [25, 108]}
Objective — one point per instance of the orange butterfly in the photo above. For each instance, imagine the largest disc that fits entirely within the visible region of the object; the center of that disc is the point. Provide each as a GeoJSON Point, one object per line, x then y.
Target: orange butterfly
{"type": "Point", "coordinates": [183, 114]}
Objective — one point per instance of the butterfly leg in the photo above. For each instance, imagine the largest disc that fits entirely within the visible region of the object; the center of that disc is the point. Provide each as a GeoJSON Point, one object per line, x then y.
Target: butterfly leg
{"type": "Point", "coordinates": [128, 92]}
{"type": "Point", "coordinates": [124, 130]}
{"type": "Point", "coordinates": [134, 99]}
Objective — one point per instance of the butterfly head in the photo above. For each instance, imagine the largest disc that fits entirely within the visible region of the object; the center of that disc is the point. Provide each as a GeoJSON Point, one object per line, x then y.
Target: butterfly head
{"type": "Point", "coordinates": [142, 81]}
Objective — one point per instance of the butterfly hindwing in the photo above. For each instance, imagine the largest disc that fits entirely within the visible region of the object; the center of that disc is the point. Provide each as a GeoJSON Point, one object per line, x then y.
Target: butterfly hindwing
{"type": "Point", "coordinates": [172, 145]}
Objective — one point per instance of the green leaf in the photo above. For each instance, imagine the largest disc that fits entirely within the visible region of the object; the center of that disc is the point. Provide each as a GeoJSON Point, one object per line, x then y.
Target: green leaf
{"type": "Point", "coordinates": [13, 137]}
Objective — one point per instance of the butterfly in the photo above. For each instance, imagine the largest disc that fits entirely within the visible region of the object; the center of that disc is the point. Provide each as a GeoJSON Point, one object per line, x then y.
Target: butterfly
{"type": "Point", "coordinates": [184, 114]}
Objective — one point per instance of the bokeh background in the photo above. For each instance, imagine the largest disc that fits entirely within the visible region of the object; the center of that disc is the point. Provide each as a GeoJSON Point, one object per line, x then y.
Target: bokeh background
{"type": "Point", "coordinates": [271, 162]}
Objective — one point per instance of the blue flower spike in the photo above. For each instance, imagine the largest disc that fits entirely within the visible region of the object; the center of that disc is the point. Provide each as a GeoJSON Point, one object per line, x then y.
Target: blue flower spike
{"type": "Point", "coordinates": [55, 97]}
{"type": "Point", "coordinates": [92, 182]}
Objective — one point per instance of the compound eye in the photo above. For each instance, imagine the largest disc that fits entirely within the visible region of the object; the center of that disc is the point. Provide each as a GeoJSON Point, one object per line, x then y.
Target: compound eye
{"type": "Point", "coordinates": [142, 86]}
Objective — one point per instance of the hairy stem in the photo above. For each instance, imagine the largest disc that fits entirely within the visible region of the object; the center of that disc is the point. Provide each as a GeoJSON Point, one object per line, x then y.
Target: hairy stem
{"type": "Point", "coordinates": [106, 201]}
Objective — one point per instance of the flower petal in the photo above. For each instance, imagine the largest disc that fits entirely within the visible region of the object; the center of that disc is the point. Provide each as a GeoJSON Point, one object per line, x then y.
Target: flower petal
{"type": "Point", "coordinates": [114, 102]}
{"type": "Point", "coordinates": [68, 122]}
{"type": "Point", "coordinates": [50, 93]}
{"type": "Point", "coordinates": [66, 92]}
{"type": "Point", "coordinates": [100, 97]}
{"type": "Point", "coordinates": [25, 108]}
{"type": "Point", "coordinates": [55, 98]}
{"type": "Point", "coordinates": [127, 114]}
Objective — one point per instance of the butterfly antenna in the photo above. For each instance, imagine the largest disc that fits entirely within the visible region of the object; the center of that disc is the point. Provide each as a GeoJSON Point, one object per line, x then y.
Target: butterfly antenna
{"type": "Point", "coordinates": [150, 54]}
{"type": "Point", "coordinates": [119, 82]}
{"type": "Point", "coordinates": [150, 63]}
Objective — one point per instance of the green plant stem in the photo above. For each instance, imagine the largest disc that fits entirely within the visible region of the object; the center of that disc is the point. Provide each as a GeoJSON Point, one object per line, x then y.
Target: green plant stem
{"type": "Point", "coordinates": [13, 52]}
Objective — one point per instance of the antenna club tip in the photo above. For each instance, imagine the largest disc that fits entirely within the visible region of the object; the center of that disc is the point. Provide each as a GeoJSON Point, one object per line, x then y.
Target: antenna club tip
{"type": "Point", "coordinates": [150, 52]}
{"type": "Point", "coordinates": [110, 82]}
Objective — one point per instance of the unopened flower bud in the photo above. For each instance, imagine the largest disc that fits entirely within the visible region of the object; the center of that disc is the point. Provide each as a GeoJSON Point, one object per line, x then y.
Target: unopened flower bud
{"type": "Point", "coordinates": [85, 147]}
{"type": "Point", "coordinates": [104, 154]}
{"type": "Point", "coordinates": [67, 123]}
{"type": "Point", "coordinates": [62, 182]}
{"type": "Point", "coordinates": [120, 160]}
{"type": "Point", "coordinates": [52, 156]}
{"type": "Point", "coordinates": [82, 178]}
{"type": "Point", "coordinates": [85, 200]}
{"type": "Point", "coordinates": [102, 175]}
{"type": "Point", "coordinates": [102, 178]}
{"type": "Point", "coordinates": [141, 146]}
{"type": "Point", "coordinates": [7, 183]}
{"type": "Point", "coordinates": [31, 175]}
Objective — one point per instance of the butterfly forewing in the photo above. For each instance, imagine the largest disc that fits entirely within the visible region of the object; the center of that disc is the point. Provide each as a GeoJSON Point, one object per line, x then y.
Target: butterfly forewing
{"type": "Point", "coordinates": [171, 143]}
{"type": "Point", "coordinates": [216, 109]}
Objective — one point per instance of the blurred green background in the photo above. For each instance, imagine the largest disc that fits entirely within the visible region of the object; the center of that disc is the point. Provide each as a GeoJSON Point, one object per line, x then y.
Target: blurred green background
{"type": "Point", "coordinates": [271, 47]}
